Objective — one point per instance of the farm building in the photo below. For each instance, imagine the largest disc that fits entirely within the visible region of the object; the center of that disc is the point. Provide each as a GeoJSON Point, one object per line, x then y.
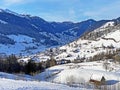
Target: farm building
{"type": "Point", "coordinates": [63, 61]}
{"type": "Point", "coordinates": [97, 80]}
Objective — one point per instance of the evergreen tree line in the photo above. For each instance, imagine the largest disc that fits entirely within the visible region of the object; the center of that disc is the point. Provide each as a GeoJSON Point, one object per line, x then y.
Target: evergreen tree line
{"type": "Point", "coordinates": [110, 54]}
{"type": "Point", "coordinates": [10, 64]}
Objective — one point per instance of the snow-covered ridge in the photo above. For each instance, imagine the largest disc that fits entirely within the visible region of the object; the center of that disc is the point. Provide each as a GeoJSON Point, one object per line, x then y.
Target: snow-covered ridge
{"type": "Point", "coordinates": [14, 13]}
{"type": "Point", "coordinates": [3, 22]}
{"type": "Point", "coordinates": [0, 10]}
{"type": "Point", "coordinates": [9, 11]}
{"type": "Point", "coordinates": [40, 32]}
{"type": "Point", "coordinates": [105, 26]}
{"type": "Point", "coordinates": [115, 35]}
{"type": "Point", "coordinates": [108, 24]}
{"type": "Point", "coordinates": [88, 48]}
{"type": "Point", "coordinates": [24, 45]}
{"type": "Point", "coordinates": [21, 38]}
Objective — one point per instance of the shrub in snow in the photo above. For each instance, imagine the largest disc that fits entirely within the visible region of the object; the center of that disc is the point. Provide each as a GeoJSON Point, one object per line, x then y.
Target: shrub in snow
{"type": "Point", "coordinates": [70, 80]}
{"type": "Point", "coordinates": [106, 65]}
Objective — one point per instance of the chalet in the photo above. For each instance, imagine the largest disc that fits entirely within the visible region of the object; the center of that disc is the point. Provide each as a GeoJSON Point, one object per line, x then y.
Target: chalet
{"type": "Point", "coordinates": [78, 59]}
{"type": "Point", "coordinates": [35, 59]}
{"type": "Point", "coordinates": [69, 55]}
{"type": "Point", "coordinates": [97, 80]}
{"type": "Point", "coordinates": [63, 50]}
{"type": "Point", "coordinates": [76, 51]}
{"type": "Point", "coordinates": [63, 61]}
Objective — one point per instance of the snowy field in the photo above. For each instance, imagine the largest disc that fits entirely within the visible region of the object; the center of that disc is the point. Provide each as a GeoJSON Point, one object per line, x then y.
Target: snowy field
{"type": "Point", "coordinates": [82, 70]}
{"type": "Point", "coordinates": [69, 76]}
{"type": "Point", "coordinates": [14, 82]}
{"type": "Point", "coordinates": [60, 77]}
{"type": "Point", "coordinates": [81, 73]}
{"type": "Point", "coordinates": [24, 45]}
{"type": "Point", "coordinates": [8, 84]}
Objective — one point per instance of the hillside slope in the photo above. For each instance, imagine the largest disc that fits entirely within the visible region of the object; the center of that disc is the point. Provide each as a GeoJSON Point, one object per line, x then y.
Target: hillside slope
{"type": "Point", "coordinates": [33, 34]}
{"type": "Point", "coordinates": [103, 40]}
{"type": "Point", "coordinates": [14, 82]}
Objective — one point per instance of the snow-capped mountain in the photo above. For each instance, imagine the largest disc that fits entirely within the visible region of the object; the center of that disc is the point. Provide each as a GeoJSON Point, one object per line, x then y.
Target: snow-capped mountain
{"type": "Point", "coordinates": [104, 39]}
{"type": "Point", "coordinates": [98, 41]}
{"type": "Point", "coordinates": [26, 34]}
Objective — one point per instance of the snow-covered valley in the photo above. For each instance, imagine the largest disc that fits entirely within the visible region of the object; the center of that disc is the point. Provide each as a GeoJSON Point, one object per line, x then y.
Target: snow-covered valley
{"type": "Point", "coordinates": [43, 58]}
{"type": "Point", "coordinates": [103, 40]}
{"type": "Point", "coordinates": [79, 75]}
{"type": "Point", "coordinates": [8, 84]}
{"type": "Point", "coordinates": [67, 76]}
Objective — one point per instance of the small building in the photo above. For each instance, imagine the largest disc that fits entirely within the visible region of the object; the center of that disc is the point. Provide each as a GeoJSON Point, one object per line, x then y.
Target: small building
{"type": "Point", "coordinates": [63, 61]}
{"type": "Point", "coordinates": [76, 51]}
{"type": "Point", "coordinates": [97, 80]}
{"type": "Point", "coordinates": [79, 59]}
{"type": "Point", "coordinates": [69, 55]}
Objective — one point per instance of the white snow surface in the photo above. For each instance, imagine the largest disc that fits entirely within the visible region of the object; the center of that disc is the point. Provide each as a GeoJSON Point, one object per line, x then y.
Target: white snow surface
{"type": "Point", "coordinates": [89, 48]}
{"type": "Point", "coordinates": [7, 84]}
{"type": "Point", "coordinates": [24, 45]}
{"type": "Point", "coordinates": [58, 76]}
{"type": "Point", "coordinates": [111, 23]}
{"type": "Point", "coordinates": [21, 38]}
{"type": "Point", "coordinates": [3, 22]}
{"type": "Point", "coordinates": [80, 73]}
{"type": "Point", "coordinates": [105, 26]}
{"type": "Point", "coordinates": [13, 82]}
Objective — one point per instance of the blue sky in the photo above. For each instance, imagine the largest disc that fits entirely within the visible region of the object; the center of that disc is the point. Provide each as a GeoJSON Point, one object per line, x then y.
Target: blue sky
{"type": "Point", "coordinates": [65, 10]}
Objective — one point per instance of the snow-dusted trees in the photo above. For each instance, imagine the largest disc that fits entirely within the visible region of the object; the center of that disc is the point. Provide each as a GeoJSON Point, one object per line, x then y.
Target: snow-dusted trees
{"type": "Point", "coordinates": [9, 64]}
{"type": "Point", "coordinates": [106, 65]}
{"type": "Point", "coordinates": [117, 58]}
{"type": "Point", "coordinates": [13, 65]}
{"type": "Point", "coordinates": [70, 80]}
{"type": "Point", "coordinates": [32, 67]}
{"type": "Point", "coordinates": [51, 62]}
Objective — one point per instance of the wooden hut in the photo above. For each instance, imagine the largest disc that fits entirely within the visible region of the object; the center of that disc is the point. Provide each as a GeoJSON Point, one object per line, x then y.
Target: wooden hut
{"type": "Point", "coordinates": [97, 80]}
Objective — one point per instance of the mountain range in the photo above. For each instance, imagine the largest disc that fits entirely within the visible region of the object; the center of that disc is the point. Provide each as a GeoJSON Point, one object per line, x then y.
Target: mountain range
{"type": "Point", "coordinates": [100, 44]}
{"type": "Point", "coordinates": [26, 34]}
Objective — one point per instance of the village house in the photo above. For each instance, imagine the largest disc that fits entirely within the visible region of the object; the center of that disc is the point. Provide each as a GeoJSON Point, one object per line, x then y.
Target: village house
{"type": "Point", "coordinates": [97, 80]}
{"type": "Point", "coordinates": [63, 61]}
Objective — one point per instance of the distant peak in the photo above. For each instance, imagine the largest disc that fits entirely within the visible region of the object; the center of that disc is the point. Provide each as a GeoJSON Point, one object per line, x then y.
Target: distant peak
{"type": "Point", "coordinates": [1, 10]}
{"type": "Point", "coordinates": [91, 20]}
{"type": "Point", "coordinates": [11, 12]}
{"type": "Point", "coordinates": [8, 11]}
{"type": "Point", "coordinates": [67, 22]}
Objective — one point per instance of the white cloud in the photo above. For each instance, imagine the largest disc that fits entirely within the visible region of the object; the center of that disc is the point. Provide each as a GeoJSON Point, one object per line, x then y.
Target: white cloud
{"type": "Point", "coordinates": [13, 2]}
{"type": "Point", "coordinates": [108, 12]}
{"type": "Point", "coordinates": [58, 16]}
{"type": "Point", "coordinates": [10, 2]}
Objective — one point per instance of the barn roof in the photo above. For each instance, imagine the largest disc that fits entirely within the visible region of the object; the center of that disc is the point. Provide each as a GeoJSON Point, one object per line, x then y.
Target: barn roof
{"type": "Point", "coordinates": [96, 77]}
